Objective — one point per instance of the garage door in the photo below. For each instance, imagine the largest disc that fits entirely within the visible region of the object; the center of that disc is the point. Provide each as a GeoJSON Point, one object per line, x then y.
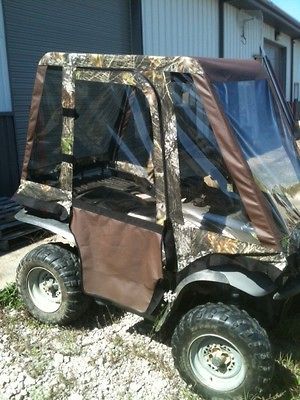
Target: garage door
{"type": "Point", "coordinates": [277, 57]}
{"type": "Point", "coordinates": [36, 27]}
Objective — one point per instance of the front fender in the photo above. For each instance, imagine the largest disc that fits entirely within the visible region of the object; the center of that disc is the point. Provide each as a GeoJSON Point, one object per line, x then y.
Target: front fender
{"type": "Point", "coordinates": [256, 285]}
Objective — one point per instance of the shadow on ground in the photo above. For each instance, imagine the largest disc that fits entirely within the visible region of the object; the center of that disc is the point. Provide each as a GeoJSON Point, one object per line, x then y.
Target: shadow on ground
{"type": "Point", "coordinates": [26, 240]}
{"type": "Point", "coordinates": [98, 316]}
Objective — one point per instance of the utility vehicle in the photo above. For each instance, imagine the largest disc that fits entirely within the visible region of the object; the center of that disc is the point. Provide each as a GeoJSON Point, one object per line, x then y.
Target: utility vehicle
{"type": "Point", "coordinates": [175, 183]}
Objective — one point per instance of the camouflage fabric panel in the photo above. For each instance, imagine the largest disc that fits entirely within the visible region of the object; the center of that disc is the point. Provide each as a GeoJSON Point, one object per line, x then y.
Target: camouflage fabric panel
{"type": "Point", "coordinates": [160, 81]}
{"type": "Point", "coordinates": [193, 243]}
{"type": "Point", "coordinates": [68, 102]}
{"type": "Point", "coordinates": [66, 176]}
{"type": "Point", "coordinates": [44, 192]}
{"type": "Point", "coordinates": [133, 169]}
{"type": "Point", "coordinates": [68, 87]}
{"type": "Point", "coordinates": [67, 136]}
{"type": "Point", "coordinates": [126, 62]}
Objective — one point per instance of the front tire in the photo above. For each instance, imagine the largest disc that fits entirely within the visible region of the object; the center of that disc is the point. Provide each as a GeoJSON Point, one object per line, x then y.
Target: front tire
{"type": "Point", "coordinates": [48, 280]}
{"type": "Point", "coordinates": [222, 352]}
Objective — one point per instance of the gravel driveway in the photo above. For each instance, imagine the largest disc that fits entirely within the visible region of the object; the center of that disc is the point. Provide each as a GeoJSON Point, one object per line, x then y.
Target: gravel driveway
{"type": "Point", "coordinates": [109, 355]}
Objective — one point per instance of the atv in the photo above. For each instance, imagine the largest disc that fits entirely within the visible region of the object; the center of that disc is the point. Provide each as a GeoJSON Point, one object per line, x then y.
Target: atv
{"type": "Point", "coordinates": [175, 185]}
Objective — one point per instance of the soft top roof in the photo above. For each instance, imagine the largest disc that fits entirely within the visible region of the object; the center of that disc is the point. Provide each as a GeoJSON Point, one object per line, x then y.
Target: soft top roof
{"type": "Point", "coordinates": [216, 69]}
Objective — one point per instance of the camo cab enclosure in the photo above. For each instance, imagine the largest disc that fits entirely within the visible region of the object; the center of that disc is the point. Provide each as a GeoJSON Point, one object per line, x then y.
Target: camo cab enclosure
{"type": "Point", "coordinates": [176, 184]}
{"type": "Point", "coordinates": [163, 167]}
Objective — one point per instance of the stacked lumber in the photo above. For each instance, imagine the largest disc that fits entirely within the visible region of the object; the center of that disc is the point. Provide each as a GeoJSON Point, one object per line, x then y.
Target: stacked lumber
{"type": "Point", "coordinates": [10, 228]}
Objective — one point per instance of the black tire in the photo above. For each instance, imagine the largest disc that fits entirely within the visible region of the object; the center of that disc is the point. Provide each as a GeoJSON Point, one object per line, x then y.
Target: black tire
{"type": "Point", "coordinates": [65, 301]}
{"type": "Point", "coordinates": [201, 366]}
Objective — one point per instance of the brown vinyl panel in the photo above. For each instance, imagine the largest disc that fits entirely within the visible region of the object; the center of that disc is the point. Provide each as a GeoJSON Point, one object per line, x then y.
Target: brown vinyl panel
{"type": "Point", "coordinates": [120, 262]}
{"type": "Point", "coordinates": [251, 196]}
{"type": "Point", "coordinates": [33, 115]}
{"type": "Point", "coordinates": [222, 70]}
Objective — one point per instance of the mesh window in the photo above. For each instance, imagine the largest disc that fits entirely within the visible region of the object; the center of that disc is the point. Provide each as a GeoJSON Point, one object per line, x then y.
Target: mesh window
{"type": "Point", "coordinates": [114, 124]}
{"type": "Point", "coordinates": [45, 160]}
{"type": "Point", "coordinates": [112, 148]}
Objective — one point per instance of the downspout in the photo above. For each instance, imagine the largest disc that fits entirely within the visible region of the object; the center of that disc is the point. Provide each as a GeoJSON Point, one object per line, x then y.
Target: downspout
{"type": "Point", "coordinates": [292, 69]}
{"type": "Point", "coordinates": [221, 28]}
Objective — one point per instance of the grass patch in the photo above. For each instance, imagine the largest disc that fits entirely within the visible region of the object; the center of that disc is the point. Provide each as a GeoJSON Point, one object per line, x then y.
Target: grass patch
{"type": "Point", "coordinates": [9, 297]}
{"type": "Point", "coordinates": [37, 366]}
{"type": "Point", "coordinates": [187, 394]}
{"type": "Point", "coordinates": [40, 394]}
{"type": "Point", "coordinates": [66, 342]}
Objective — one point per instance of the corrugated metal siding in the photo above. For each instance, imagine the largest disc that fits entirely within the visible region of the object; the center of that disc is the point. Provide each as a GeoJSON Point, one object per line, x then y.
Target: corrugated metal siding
{"type": "Point", "coordinates": [9, 175]}
{"type": "Point", "coordinates": [180, 27]}
{"type": "Point", "coordinates": [36, 27]}
{"type": "Point", "coordinates": [5, 97]}
{"type": "Point", "coordinates": [234, 19]}
{"type": "Point", "coordinates": [285, 41]}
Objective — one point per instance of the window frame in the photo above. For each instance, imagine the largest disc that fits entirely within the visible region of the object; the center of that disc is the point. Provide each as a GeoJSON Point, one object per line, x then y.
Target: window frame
{"type": "Point", "coordinates": [137, 80]}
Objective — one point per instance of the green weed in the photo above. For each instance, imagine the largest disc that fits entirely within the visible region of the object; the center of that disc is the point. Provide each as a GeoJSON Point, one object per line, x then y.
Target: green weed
{"type": "Point", "coordinates": [9, 297]}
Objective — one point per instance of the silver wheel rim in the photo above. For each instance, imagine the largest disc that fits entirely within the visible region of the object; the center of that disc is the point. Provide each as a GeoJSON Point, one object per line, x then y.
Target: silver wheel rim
{"type": "Point", "coordinates": [44, 289]}
{"type": "Point", "coordinates": [217, 363]}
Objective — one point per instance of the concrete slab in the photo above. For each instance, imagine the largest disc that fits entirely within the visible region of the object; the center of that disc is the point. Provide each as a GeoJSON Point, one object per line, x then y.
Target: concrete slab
{"type": "Point", "coordinates": [10, 261]}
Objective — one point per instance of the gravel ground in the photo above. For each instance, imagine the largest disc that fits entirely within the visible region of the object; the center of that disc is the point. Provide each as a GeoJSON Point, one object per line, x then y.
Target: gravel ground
{"type": "Point", "coordinates": [111, 355]}
{"type": "Point", "coordinates": [108, 355]}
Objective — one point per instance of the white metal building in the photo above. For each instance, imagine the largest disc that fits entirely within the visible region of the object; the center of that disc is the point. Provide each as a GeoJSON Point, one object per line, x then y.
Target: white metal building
{"type": "Point", "coordinates": [212, 28]}
{"type": "Point", "coordinates": [220, 28]}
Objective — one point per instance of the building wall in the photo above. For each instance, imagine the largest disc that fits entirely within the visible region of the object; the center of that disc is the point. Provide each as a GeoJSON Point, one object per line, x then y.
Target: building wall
{"type": "Point", "coordinates": [284, 41]}
{"type": "Point", "coordinates": [9, 173]}
{"type": "Point", "coordinates": [5, 97]}
{"type": "Point", "coordinates": [34, 28]}
{"type": "Point", "coordinates": [177, 27]}
{"type": "Point", "coordinates": [236, 23]}
{"type": "Point", "coordinates": [191, 27]}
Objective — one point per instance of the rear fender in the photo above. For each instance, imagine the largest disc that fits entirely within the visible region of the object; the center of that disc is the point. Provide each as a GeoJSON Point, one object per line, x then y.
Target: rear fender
{"type": "Point", "coordinates": [59, 228]}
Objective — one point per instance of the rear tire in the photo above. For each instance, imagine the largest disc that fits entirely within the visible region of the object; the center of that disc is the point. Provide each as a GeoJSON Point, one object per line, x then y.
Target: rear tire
{"type": "Point", "coordinates": [48, 280]}
{"type": "Point", "coordinates": [222, 352]}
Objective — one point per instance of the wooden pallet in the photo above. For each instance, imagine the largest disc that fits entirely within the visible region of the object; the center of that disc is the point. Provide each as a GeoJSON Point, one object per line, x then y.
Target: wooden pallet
{"type": "Point", "coordinates": [10, 228]}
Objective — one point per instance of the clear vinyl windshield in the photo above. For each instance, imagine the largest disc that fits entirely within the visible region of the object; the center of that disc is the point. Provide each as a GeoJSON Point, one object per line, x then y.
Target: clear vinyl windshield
{"type": "Point", "coordinates": [209, 198]}
{"type": "Point", "coordinates": [267, 144]}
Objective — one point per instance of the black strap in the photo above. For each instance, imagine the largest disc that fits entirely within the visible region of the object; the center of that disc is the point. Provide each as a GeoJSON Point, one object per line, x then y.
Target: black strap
{"type": "Point", "coordinates": [70, 113]}
{"type": "Point", "coordinates": [169, 243]}
{"type": "Point", "coordinates": [69, 158]}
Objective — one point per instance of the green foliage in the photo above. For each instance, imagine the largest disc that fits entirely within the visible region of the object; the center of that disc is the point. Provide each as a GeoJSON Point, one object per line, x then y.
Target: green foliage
{"type": "Point", "coordinates": [9, 297]}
